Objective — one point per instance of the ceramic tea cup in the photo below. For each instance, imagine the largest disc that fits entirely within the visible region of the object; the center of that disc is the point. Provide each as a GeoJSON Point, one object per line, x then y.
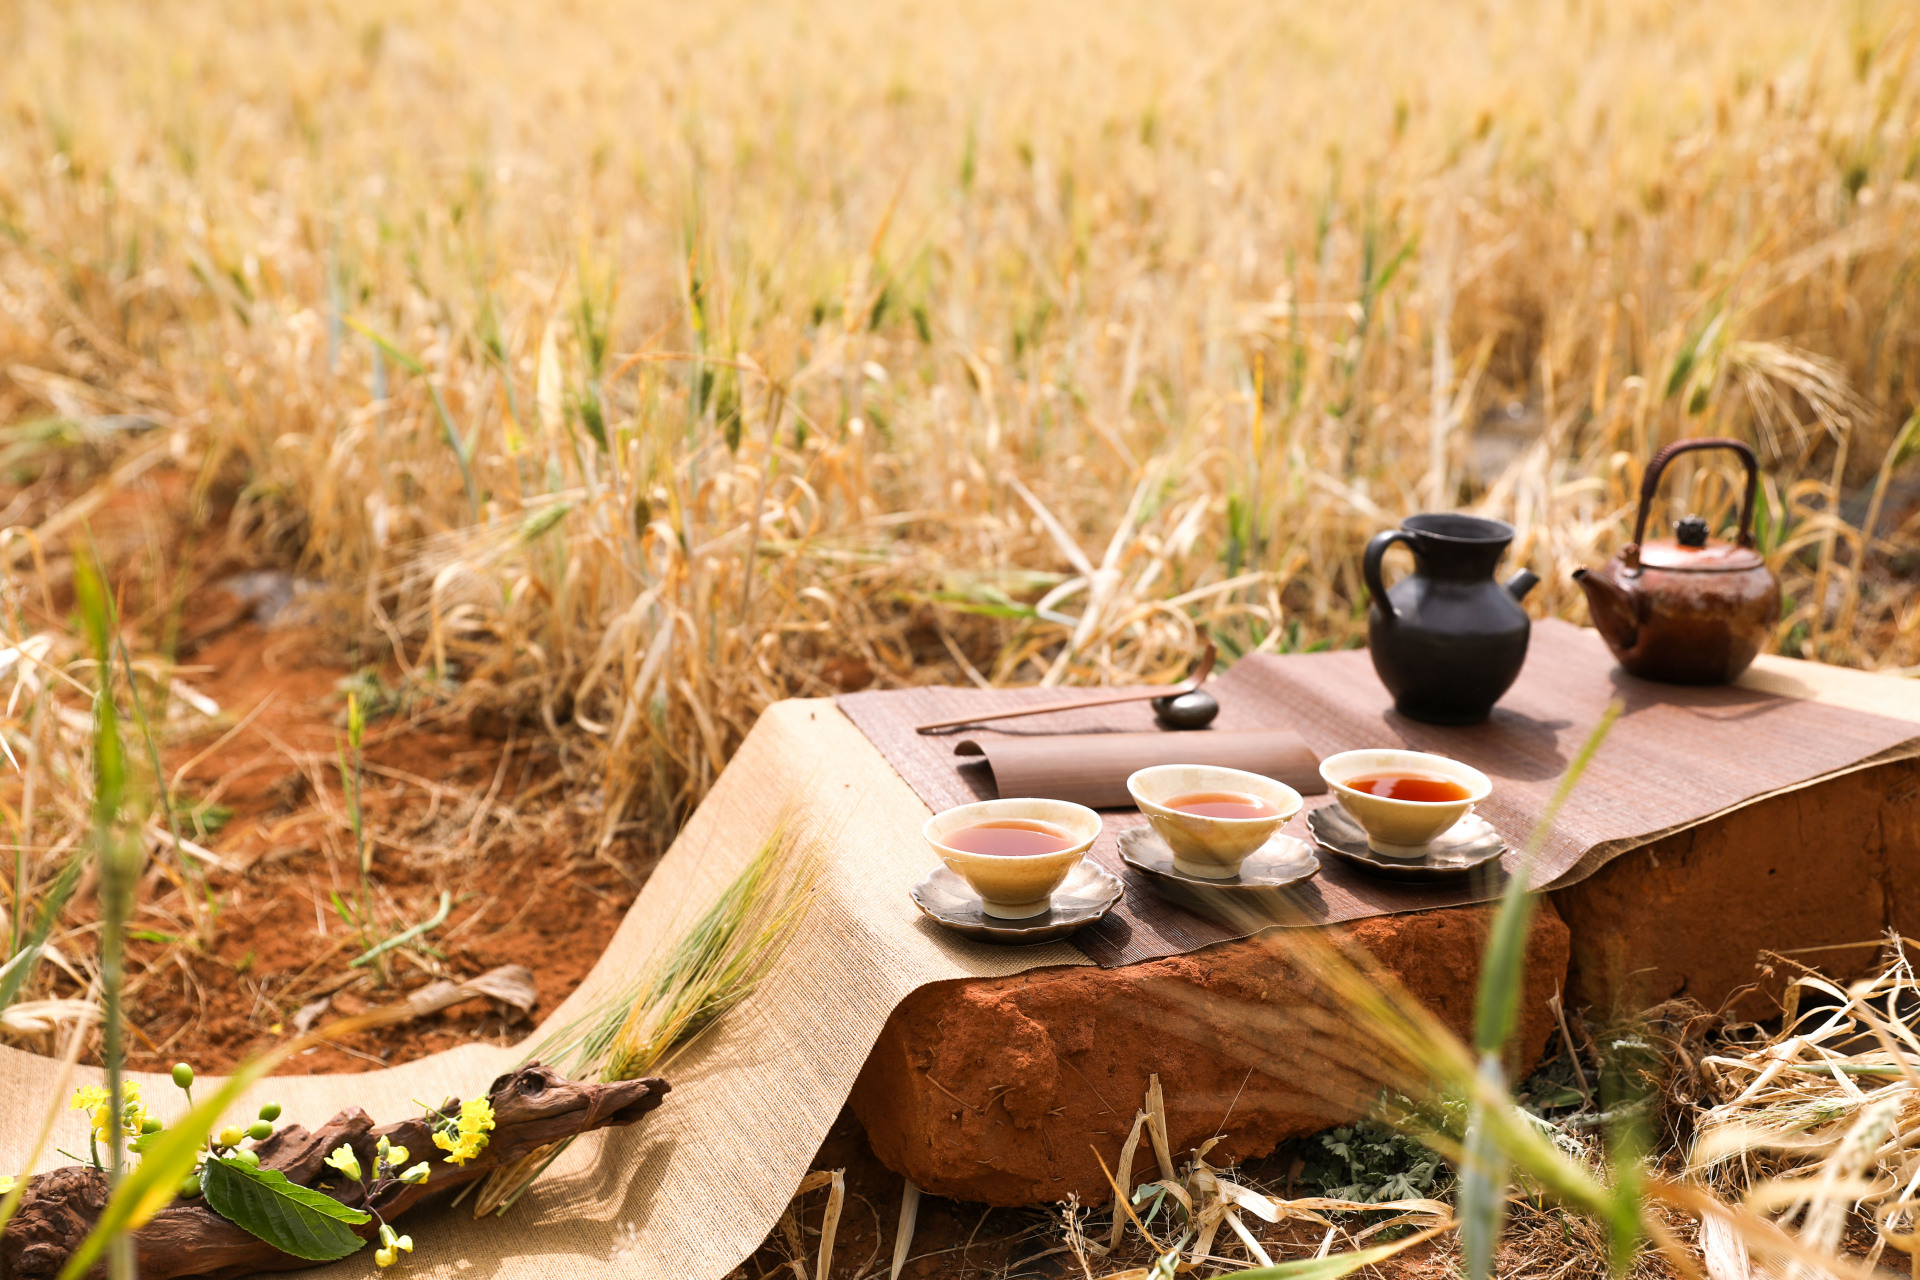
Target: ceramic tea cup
{"type": "Point", "coordinates": [1013, 887]}
{"type": "Point", "coordinates": [1402, 828]}
{"type": "Point", "coordinates": [1210, 847]}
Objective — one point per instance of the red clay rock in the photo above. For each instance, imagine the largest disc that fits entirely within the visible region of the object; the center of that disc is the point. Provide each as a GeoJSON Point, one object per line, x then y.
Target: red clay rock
{"type": "Point", "coordinates": [1000, 1090]}
{"type": "Point", "coordinates": [1689, 915]}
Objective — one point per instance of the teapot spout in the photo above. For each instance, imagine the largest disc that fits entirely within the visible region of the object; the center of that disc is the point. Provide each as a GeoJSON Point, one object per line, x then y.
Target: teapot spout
{"type": "Point", "coordinates": [1612, 609]}
{"type": "Point", "coordinates": [1521, 583]}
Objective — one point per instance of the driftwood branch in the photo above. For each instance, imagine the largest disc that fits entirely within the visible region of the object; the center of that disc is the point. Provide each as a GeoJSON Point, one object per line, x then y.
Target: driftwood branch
{"type": "Point", "coordinates": [532, 1107]}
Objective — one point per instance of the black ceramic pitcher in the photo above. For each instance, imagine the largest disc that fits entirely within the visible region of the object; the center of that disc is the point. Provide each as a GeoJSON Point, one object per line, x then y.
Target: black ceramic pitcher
{"type": "Point", "coordinates": [1447, 640]}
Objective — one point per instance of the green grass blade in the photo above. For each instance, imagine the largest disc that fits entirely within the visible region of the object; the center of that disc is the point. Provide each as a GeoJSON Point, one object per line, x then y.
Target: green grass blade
{"type": "Point", "coordinates": [1482, 1198]}
{"type": "Point", "coordinates": [461, 453]}
{"type": "Point", "coordinates": [20, 966]}
{"type": "Point", "coordinates": [1503, 968]}
{"type": "Point", "coordinates": [1483, 1179]}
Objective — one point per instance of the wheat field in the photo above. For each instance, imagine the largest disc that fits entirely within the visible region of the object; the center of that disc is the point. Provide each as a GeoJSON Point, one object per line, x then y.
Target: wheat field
{"type": "Point", "coordinates": [629, 366]}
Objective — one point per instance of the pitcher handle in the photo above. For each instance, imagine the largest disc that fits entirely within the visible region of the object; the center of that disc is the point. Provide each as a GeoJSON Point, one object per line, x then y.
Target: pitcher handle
{"type": "Point", "coordinates": [1370, 567]}
{"type": "Point", "coordinates": [1650, 485]}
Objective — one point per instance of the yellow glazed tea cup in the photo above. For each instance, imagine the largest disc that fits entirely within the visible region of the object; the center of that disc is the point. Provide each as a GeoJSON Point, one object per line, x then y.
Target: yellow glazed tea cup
{"type": "Point", "coordinates": [1211, 848]}
{"type": "Point", "coordinates": [1402, 828]}
{"type": "Point", "coordinates": [1017, 886]}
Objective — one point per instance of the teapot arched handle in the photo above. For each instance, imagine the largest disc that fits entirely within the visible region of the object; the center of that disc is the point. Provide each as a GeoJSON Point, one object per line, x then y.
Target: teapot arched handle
{"type": "Point", "coordinates": [1650, 485]}
{"type": "Point", "coordinates": [1370, 567]}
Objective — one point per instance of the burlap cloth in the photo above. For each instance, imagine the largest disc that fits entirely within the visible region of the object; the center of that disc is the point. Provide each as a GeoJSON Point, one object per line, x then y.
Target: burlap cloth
{"type": "Point", "coordinates": [695, 1187]}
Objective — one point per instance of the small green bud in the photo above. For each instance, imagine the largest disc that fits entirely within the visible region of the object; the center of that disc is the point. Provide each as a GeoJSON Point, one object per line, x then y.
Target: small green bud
{"type": "Point", "coordinates": [152, 1124]}
{"type": "Point", "coordinates": [415, 1176]}
{"type": "Point", "coordinates": [259, 1131]}
{"type": "Point", "coordinates": [231, 1136]}
{"type": "Point", "coordinates": [183, 1075]}
{"type": "Point", "coordinates": [249, 1158]}
{"type": "Point", "coordinates": [190, 1186]}
{"type": "Point", "coordinates": [270, 1112]}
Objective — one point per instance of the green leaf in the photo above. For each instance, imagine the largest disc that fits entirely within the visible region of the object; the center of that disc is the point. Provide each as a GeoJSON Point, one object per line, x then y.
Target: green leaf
{"type": "Point", "coordinates": [292, 1218]}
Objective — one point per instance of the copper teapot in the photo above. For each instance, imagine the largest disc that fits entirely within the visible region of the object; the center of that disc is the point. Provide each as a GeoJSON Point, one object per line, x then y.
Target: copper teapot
{"type": "Point", "coordinates": [1689, 610]}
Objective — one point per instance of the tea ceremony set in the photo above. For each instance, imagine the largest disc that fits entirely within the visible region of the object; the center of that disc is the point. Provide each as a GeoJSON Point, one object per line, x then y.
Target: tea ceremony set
{"type": "Point", "coordinates": [1303, 790]}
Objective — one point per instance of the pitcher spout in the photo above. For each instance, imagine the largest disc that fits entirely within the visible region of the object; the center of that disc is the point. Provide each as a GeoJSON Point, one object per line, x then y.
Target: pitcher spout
{"type": "Point", "coordinates": [1612, 609]}
{"type": "Point", "coordinates": [1521, 583]}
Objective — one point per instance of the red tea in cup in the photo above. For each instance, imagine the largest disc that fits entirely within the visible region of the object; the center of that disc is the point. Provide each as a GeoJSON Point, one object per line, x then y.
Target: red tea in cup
{"type": "Point", "coordinates": [1221, 804]}
{"type": "Point", "coordinates": [1421, 788]}
{"type": "Point", "coordinates": [1009, 838]}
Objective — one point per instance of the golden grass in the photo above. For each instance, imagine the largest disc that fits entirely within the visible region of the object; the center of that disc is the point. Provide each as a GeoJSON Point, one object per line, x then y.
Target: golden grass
{"type": "Point", "coordinates": [635, 365]}
{"type": "Point", "coordinates": [1815, 1127]}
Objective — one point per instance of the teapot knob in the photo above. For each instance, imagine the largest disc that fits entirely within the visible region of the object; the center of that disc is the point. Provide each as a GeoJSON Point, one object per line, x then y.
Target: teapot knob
{"type": "Point", "coordinates": [1691, 532]}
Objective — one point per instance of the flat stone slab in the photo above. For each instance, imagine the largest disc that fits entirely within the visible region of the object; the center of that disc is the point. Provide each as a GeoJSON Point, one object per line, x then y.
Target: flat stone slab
{"type": "Point", "coordinates": [1000, 1090]}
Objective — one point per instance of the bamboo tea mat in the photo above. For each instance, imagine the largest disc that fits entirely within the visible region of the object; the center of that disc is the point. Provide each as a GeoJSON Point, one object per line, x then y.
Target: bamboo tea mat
{"type": "Point", "coordinates": [1677, 757]}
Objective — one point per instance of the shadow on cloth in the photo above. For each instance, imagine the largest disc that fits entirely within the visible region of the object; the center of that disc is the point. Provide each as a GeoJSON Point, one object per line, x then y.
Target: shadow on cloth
{"type": "Point", "coordinates": [601, 1213]}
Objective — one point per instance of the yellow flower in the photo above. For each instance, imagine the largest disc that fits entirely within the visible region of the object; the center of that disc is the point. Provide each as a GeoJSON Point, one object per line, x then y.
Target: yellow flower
{"type": "Point", "coordinates": [469, 1133]}
{"type": "Point", "coordinates": [345, 1161]}
{"type": "Point", "coordinates": [460, 1148]}
{"type": "Point", "coordinates": [392, 1246]}
{"type": "Point", "coordinates": [93, 1100]}
{"type": "Point", "coordinates": [6, 1184]}
{"type": "Point", "coordinates": [476, 1114]}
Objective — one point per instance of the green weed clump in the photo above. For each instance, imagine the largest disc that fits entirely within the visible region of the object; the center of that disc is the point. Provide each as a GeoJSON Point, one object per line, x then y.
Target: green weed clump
{"type": "Point", "coordinates": [1373, 1160]}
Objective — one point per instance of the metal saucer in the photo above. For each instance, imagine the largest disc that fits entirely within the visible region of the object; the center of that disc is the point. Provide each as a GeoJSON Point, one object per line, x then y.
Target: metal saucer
{"type": "Point", "coordinates": [1467, 844]}
{"type": "Point", "coordinates": [1278, 864]}
{"type": "Point", "coordinates": [1090, 891]}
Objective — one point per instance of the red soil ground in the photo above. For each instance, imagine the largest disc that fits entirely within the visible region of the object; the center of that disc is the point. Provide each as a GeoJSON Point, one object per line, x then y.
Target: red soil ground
{"type": "Point", "coordinates": [473, 810]}
{"type": "Point", "coordinates": [525, 883]}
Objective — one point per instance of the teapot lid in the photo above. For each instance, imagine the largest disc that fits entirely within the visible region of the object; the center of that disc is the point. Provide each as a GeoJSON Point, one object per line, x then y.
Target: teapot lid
{"type": "Point", "coordinates": [1690, 550]}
